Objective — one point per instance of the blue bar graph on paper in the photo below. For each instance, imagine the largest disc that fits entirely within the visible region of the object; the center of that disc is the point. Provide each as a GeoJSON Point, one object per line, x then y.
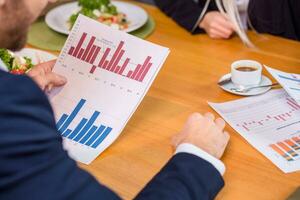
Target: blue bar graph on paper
{"type": "Point", "coordinates": [88, 135]}
{"type": "Point", "coordinates": [78, 128]}
{"type": "Point", "coordinates": [102, 137]}
{"type": "Point", "coordinates": [72, 115]}
{"type": "Point", "coordinates": [88, 125]}
{"type": "Point", "coordinates": [288, 78]}
{"type": "Point", "coordinates": [66, 133]}
{"type": "Point", "coordinates": [61, 120]}
{"type": "Point", "coordinates": [95, 136]}
{"type": "Point", "coordinates": [86, 131]}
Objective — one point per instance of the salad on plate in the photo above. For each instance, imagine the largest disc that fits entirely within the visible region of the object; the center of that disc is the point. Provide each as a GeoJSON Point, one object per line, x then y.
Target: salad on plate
{"type": "Point", "coordinates": [14, 63]}
{"type": "Point", "coordinates": [101, 10]}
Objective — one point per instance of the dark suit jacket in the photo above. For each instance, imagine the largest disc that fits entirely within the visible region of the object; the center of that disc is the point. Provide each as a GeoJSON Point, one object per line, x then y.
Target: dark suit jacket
{"type": "Point", "coordinates": [280, 17]}
{"type": "Point", "coordinates": [34, 166]}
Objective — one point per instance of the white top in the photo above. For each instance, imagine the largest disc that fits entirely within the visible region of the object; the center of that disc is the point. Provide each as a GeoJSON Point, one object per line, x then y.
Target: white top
{"type": "Point", "coordinates": [192, 149]}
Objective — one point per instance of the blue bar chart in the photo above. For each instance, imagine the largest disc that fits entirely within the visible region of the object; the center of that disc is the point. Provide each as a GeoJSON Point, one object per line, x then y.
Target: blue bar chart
{"type": "Point", "coordinates": [85, 132]}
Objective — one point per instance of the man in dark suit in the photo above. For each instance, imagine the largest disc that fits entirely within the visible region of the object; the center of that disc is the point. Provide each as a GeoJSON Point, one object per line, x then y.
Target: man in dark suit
{"type": "Point", "coordinates": [33, 164]}
{"type": "Point", "coordinates": [280, 17]}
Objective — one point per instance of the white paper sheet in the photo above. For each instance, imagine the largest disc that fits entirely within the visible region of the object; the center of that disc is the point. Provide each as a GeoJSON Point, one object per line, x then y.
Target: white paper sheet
{"type": "Point", "coordinates": [289, 81]}
{"type": "Point", "coordinates": [102, 92]}
{"type": "Point", "coordinates": [270, 123]}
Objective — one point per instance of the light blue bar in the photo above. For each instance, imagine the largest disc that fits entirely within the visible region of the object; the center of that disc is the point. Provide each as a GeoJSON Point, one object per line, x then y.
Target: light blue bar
{"type": "Point", "coordinates": [87, 126]}
{"type": "Point", "coordinates": [95, 136]}
{"type": "Point", "coordinates": [88, 135]}
{"type": "Point", "coordinates": [102, 137]}
{"type": "Point", "coordinates": [61, 120]}
{"type": "Point", "coordinates": [72, 115]}
{"type": "Point", "coordinates": [297, 89]}
{"type": "Point", "coordinates": [78, 128]}
{"type": "Point", "coordinates": [66, 133]}
{"type": "Point", "coordinates": [288, 78]}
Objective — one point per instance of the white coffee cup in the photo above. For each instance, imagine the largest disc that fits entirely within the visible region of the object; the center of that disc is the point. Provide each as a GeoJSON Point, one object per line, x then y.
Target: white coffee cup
{"type": "Point", "coordinates": [246, 73]}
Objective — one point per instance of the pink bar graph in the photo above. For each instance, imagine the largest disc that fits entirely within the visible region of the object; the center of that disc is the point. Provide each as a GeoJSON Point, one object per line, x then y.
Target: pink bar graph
{"type": "Point", "coordinates": [136, 71]}
{"type": "Point", "coordinates": [79, 44]}
{"type": "Point", "coordinates": [143, 68]}
{"type": "Point", "coordinates": [80, 53]}
{"type": "Point", "coordinates": [71, 51]}
{"type": "Point", "coordinates": [145, 72]}
{"type": "Point", "coordinates": [93, 69]}
{"type": "Point", "coordinates": [110, 62]}
{"type": "Point", "coordinates": [115, 55]}
{"type": "Point", "coordinates": [88, 48]}
{"type": "Point", "coordinates": [291, 102]}
{"type": "Point", "coordinates": [91, 53]}
{"type": "Point", "coordinates": [104, 57]}
{"type": "Point", "coordinates": [124, 66]}
{"type": "Point", "coordinates": [95, 55]}
{"type": "Point", "coordinates": [117, 61]}
{"type": "Point", "coordinates": [129, 74]}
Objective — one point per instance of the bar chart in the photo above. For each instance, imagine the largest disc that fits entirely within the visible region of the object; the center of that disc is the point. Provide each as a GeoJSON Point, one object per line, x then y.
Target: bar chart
{"type": "Point", "coordinates": [92, 52]}
{"type": "Point", "coordinates": [86, 132]}
{"type": "Point", "coordinates": [109, 73]}
{"type": "Point", "coordinates": [289, 149]}
{"type": "Point", "coordinates": [270, 123]}
{"type": "Point", "coordinates": [283, 116]}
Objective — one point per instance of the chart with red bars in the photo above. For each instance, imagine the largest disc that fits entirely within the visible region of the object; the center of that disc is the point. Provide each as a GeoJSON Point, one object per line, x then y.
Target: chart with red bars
{"type": "Point", "coordinates": [109, 73]}
{"type": "Point", "coordinates": [270, 123]}
{"type": "Point", "coordinates": [114, 65]}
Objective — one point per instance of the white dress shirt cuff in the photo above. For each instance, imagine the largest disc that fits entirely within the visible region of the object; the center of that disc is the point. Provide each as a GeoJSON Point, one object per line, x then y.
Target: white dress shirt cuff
{"type": "Point", "coordinates": [192, 149]}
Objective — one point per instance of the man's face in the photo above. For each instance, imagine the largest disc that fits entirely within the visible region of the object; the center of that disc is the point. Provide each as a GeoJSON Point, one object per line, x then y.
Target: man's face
{"type": "Point", "coordinates": [16, 17]}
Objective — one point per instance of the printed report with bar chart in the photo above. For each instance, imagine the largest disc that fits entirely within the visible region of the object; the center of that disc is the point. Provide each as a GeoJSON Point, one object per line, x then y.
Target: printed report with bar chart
{"type": "Point", "coordinates": [289, 81]}
{"type": "Point", "coordinates": [270, 123]}
{"type": "Point", "coordinates": [109, 73]}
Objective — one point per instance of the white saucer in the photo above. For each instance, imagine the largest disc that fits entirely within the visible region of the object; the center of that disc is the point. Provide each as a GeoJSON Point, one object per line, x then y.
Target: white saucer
{"type": "Point", "coordinates": [257, 91]}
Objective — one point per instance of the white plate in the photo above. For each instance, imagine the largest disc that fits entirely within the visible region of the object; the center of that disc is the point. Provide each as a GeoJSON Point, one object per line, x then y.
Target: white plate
{"type": "Point", "coordinates": [57, 18]}
{"type": "Point", "coordinates": [37, 56]}
{"type": "Point", "coordinates": [257, 91]}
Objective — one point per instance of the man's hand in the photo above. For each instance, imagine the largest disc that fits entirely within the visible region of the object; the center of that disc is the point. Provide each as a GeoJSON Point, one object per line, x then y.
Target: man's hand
{"type": "Point", "coordinates": [46, 79]}
{"type": "Point", "coordinates": [217, 26]}
{"type": "Point", "coordinates": [204, 132]}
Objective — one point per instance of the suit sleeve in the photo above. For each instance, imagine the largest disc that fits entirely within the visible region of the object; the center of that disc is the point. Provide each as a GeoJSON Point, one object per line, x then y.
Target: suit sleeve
{"type": "Point", "coordinates": [185, 177]}
{"type": "Point", "coordinates": [33, 163]}
{"type": "Point", "coordinates": [185, 12]}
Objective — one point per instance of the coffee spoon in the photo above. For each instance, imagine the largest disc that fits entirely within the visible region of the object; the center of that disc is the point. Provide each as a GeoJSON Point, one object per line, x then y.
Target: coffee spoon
{"type": "Point", "coordinates": [243, 89]}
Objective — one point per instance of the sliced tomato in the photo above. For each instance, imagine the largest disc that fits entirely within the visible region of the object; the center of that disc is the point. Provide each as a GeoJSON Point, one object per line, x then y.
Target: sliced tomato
{"type": "Point", "coordinates": [18, 71]}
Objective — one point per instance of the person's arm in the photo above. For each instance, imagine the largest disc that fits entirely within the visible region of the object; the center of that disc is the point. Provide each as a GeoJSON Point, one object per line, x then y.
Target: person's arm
{"type": "Point", "coordinates": [195, 171]}
{"type": "Point", "coordinates": [185, 12]}
{"type": "Point", "coordinates": [34, 165]}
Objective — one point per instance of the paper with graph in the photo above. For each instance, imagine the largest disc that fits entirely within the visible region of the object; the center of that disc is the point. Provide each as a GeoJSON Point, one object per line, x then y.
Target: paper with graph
{"type": "Point", "coordinates": [270, 123]}
{"type": "Point", "coordinates": [109, 73]}
{"type": "Point", "coordinates": [289, 81]}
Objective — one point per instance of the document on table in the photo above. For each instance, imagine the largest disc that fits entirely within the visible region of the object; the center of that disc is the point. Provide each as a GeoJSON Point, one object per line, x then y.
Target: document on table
{"type": "Point", "coordinates": [109, 73]}
{"type": "Point", "coordinates": [289, 81]}
{"type": "Point", "coordinates": [270, 123]}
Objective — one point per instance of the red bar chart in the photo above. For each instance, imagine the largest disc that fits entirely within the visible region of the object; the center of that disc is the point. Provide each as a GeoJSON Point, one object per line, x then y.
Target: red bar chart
{"type": "Point", "coordinates": [270, 118]}
{"type": "Point", "coordinates": [117, 63]}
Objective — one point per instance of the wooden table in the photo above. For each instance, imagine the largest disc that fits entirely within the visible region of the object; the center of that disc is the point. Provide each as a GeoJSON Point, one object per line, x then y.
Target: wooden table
{"type": "Point", "coordinates": [184, 85]}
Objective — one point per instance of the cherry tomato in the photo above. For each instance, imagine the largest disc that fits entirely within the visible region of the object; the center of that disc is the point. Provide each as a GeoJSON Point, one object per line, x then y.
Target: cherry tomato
{"type": "Point", "coordinates": [18, 71]}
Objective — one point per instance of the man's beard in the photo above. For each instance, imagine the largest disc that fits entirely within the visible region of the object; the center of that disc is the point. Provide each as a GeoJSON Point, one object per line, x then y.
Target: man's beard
{"type": "Point", "coordinates": [14, 26]}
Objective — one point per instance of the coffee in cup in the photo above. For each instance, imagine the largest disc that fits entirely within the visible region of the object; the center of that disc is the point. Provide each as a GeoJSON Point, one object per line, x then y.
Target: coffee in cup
{"type": "Point", "coordinates": [246, 73]}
